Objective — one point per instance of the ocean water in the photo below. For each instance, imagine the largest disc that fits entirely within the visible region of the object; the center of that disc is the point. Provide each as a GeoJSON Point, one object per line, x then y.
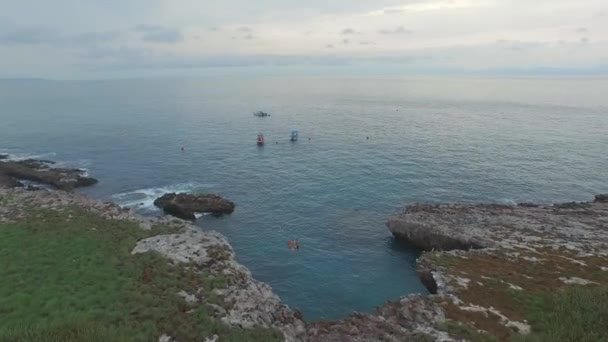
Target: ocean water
{"type": "Point", "coordinates": [430, 140]}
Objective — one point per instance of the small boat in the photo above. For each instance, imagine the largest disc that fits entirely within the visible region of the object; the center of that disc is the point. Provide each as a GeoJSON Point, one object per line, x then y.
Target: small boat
{"type": "Point", "coordinates": [260, 139]}
{"type": "Point", "coordinates": [261, 114]}
{"type": "Point", "coordinates": [294, 135]}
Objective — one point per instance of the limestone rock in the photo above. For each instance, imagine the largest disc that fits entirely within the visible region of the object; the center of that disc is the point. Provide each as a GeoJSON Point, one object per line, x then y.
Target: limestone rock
{"type": "Point", "coordinates": [253, 303]}
{"type": "Point", "coordinates": [417, 226]}
{"type": "Point", "coordinates": [463, 227]}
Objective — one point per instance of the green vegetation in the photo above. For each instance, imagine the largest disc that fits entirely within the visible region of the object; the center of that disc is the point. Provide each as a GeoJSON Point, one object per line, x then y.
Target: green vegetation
{"type": "Point", "coordinates": [70, 276]}
{"type": "Point", "coordinates": [524, 290]}
{"type": "Point", "coordinates": [462, 331]}
{"type": "Point", "coordinates": [578, 314]}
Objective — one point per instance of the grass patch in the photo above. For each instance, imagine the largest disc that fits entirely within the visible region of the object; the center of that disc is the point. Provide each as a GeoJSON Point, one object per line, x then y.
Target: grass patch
{"type": "Point", "coordinates": [70, 276]}
{"type": "Point", "coordinates": [464, 332]}
{"type": "Point", "coordinates": [530, 292]}
{"type": "Point", "coordinates": [577, 314]}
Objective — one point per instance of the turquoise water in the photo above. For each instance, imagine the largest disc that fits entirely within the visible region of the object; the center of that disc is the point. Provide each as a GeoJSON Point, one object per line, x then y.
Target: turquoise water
{"type": "Point", "coordinates": [430, 140]}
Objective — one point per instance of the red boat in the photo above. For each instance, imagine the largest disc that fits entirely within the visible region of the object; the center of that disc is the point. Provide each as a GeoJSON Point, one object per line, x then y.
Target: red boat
{"type": "Point", "coordinates": [260, 139]}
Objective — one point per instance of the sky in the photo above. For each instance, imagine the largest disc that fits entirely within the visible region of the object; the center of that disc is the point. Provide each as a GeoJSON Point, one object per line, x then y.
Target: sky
{"type": "Point", "coordinates": [79, 39]}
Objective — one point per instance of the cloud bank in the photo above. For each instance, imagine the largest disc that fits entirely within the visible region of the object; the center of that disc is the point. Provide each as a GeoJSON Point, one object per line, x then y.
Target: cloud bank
{"type": "Point", "coordinates": [61, 40]}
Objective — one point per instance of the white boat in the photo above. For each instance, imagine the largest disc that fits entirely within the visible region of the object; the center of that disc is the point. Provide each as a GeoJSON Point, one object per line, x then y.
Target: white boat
{"type": "Point", "coordinates": [261, 114]}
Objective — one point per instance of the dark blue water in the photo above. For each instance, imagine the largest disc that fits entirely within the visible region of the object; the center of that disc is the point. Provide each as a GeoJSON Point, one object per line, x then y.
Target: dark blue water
{"type": "Point", "coordinates": [430, 140]}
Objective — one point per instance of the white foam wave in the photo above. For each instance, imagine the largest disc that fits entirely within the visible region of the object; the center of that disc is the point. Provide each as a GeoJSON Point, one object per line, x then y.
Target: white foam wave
{"type": "Point", "coordinates": [81, 164]}
{"type": "Point", "coordinates": [507, 201]}
{"type": "Point", "coordinates": [24, 156]}
{"type": "Point", "coordinates": [144, 198]}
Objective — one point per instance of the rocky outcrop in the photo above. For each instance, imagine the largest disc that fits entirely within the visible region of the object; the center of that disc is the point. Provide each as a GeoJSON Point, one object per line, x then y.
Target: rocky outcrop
{"type": "Point", "coordinates": [42, 171]}
{"type": "Point", "coordinates": [14, 204]}
{"type": "Point", "coordinates": [412, 318]}
{"type": "Point", "coordinates": [603, 198]}
{"type": "Point", "coordinates": [9, 182]}
{"type": "Point", "coordinates": [251, 303]}
{"type": "Point", "coordinates": [451, 226]}
{"type": "Point", "coordinates": [417, 226]}
{"type": "Point", "coordinates": [475, 257]}
{"type": "Point", "coordinates": [185, 206]}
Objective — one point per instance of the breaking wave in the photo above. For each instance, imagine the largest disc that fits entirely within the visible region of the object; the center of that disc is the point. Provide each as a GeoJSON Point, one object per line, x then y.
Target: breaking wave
{"type": "Point", "coordinates": [143, 199]}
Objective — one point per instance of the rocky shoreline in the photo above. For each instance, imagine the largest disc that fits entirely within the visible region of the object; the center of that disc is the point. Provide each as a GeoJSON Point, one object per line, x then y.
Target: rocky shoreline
{"type": "Point", "coordinates": [13, 173]}
{"type": "Point", "coordinates": [479, 261]}
{"type": "Point", "coordinates": [251, 303]}
{"type": "Point", "coordinates": [476, 261]}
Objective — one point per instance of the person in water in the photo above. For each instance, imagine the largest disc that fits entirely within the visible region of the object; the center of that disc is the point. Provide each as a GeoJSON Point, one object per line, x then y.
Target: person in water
{"type": "Point", "coordinates": [294, 245]}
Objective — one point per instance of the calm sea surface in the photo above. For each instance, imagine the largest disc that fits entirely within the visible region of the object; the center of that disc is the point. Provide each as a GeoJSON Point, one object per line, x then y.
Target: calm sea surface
{"type": "Point", "coordinates": [430, 140]}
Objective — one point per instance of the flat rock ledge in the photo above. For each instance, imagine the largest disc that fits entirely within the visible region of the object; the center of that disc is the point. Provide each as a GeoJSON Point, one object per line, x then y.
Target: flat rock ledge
{"type": "Point", "coordinates": [186, 206]}
{"type": "Point", "coordinates": [448, 227]}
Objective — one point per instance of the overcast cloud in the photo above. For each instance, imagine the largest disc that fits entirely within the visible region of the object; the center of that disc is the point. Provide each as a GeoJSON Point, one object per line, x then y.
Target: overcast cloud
{"type": "Point", "coordinates": [89, 39]}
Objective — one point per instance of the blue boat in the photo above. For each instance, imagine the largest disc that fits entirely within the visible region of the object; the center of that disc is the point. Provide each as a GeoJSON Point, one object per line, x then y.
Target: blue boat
{"type": "Point", "coordinates": [294, 135]}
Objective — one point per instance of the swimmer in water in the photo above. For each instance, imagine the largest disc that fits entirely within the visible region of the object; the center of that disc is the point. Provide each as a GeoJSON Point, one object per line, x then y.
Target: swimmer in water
{"type": "Point", "coordinates": [293, 245]}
